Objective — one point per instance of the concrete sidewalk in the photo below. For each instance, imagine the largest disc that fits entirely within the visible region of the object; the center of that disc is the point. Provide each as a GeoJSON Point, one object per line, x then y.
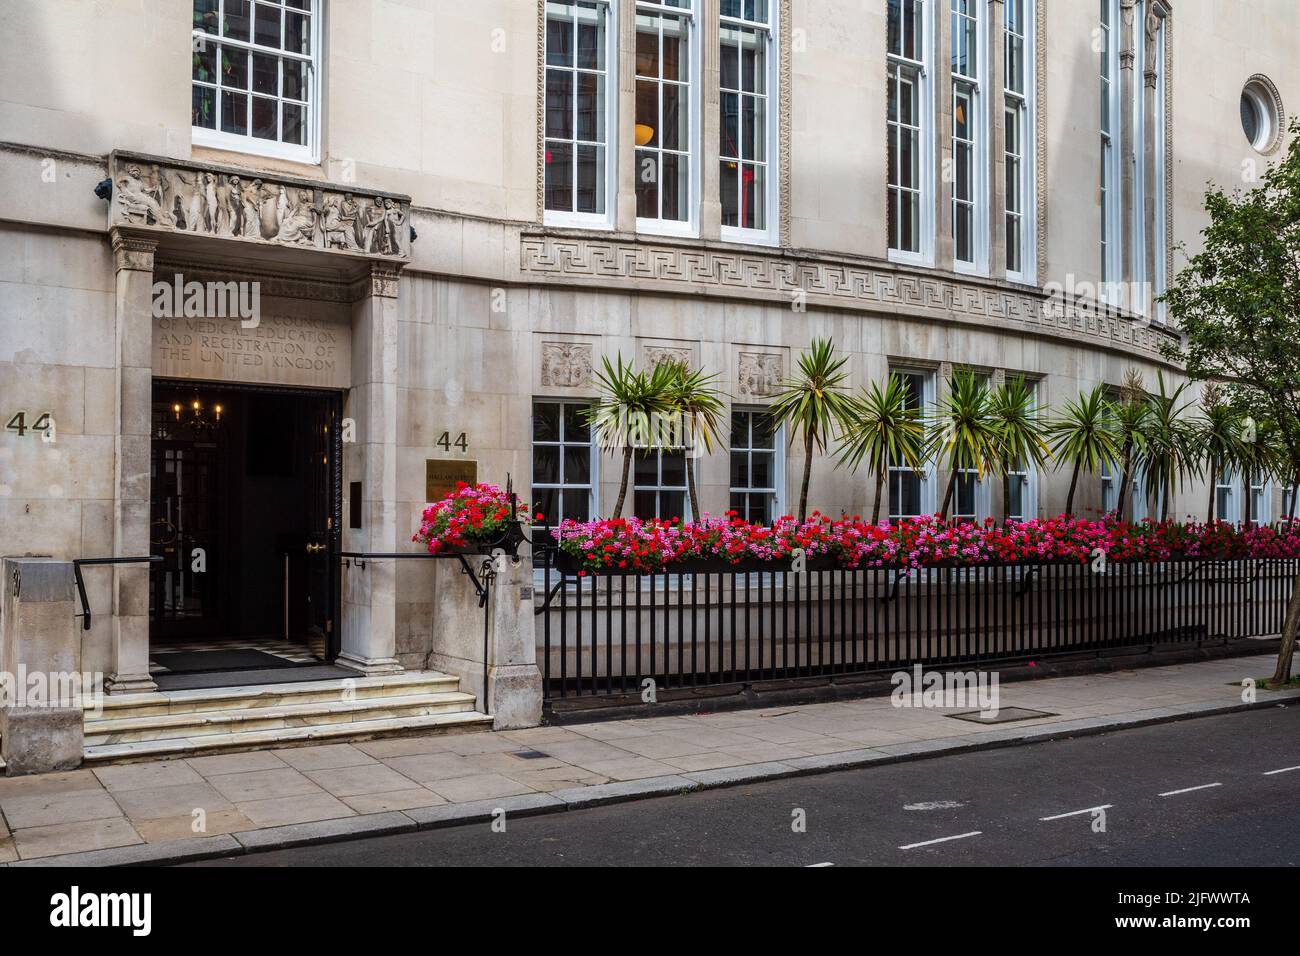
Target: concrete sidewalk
{"type": "Point", "coordinates": [171, 810]}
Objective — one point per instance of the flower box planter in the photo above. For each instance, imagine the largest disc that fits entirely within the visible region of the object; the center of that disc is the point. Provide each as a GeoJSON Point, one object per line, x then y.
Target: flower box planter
{"type": "Point", "coordinates": [569, 564]}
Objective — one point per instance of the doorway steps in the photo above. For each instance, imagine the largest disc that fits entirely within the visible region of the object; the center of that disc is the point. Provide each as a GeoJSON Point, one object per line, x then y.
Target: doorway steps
{"type": "Point", "coordinates": [227, 719]}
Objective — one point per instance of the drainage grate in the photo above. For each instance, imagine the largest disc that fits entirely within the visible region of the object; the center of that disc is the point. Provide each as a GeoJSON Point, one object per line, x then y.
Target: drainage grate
{"type": "Point", "coordinates": [529, 754]}
{"type": "Point", "coordinates": [1004, 716]}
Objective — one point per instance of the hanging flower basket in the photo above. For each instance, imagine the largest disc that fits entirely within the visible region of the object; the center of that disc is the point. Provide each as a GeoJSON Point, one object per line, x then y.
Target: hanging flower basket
{"type": "Point", "coordinates": [473, 519]}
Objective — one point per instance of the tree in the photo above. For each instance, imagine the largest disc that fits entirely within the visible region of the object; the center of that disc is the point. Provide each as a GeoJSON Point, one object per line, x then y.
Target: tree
{"type": "Point", "coordinates": [1130, 420]}
{"type": "Point", "coordinates": [813, 403]}
{"type": "Point", "coordinates": [693, 396]}
{"type": "Point", "coordinates": [1084, 436]}
{"type": "Point", "coordinates": [1170, 437]}
{"type": "Point", "coordinates": [882, 425]}
{"type": "Point", "coordinates": [1237, 303]}
{"type": "Point", "coordinates": [1011, 406]}
{"type": "Point", "coordinates": [963, 431]}
{"type": "Point", "coordinates": [1218, 441]}
{"type": "Point", "coordinates": [633, 412]}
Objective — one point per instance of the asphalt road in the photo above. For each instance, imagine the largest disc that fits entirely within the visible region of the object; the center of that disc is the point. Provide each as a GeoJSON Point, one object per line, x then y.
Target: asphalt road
{"type": "Point", "coordinates": [1218, 791]}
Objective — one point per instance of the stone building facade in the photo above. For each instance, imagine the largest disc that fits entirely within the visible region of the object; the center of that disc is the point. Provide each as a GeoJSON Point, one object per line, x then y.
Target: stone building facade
{"type": "Point", "coordinates": [451, 213]}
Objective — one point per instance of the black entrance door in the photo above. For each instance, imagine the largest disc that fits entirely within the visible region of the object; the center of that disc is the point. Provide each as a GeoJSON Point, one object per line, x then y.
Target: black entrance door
{"type": "Point", "coordinates": [245, 507]}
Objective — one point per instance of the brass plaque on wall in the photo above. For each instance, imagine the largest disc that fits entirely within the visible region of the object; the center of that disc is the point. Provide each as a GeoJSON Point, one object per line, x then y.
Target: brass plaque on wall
{"type": "Point", "coordinates": [441, 475]}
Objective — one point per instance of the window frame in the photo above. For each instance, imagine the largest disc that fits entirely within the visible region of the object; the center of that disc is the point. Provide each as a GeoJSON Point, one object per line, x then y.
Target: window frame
{"type": "Point", "coordinates": [977, 125]}
{"type": "Point", "coordinates": [777, 491]}
{"type": "Point", "coordinates": [593, 469]}
{"type": "Point", "coordinates": [573, 219]}
{"type": "Point", "coordinates": [248, 143]}
{"type": "Point", "coordinates": [1026, 101]}
{"type": "Point", "coordinates": [1138, 225]}
{"type": "Point", "coordinates": [770, 235]}
{"type": "Point", "coordinates": [925, 133]}
{"type": "Point", "coordinates": [1160, 238]}
{"type": "Point", "coordinates": [689, 12]}
{"type": "Point", "coordinates": [929, 378]}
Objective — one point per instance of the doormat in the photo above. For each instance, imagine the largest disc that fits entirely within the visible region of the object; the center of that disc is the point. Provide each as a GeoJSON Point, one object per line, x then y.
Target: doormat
{"type": "Point", "coordinates": [297, 674]}
{"type": "Point", "coordinates": [1004, 716]}
{"type": "Point", "coordinates": [189, 662]}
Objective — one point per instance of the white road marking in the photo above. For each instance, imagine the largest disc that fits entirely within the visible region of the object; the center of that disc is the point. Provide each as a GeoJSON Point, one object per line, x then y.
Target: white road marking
{"type": "Point", "coordinates": [1075, 813]}
{"type": "Point", "coordinates": [1269, 773]}
{"type": "Point", "coordinates": [812, 865]}
{"type": "Point", "coordinates": [934, 805]}
{"type": "Point", "coordinates": [1204, 786]}
{"type": "Point", "coordinates": [959, 836]}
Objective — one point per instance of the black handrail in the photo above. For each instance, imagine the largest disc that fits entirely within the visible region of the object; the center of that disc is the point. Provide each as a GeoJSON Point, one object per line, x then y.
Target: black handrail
{"type": "Point", "coordinates": [81, 584]}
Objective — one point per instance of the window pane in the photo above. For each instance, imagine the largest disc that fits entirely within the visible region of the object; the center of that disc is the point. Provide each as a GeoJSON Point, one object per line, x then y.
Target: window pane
{"type": "Point", "coordinates": [591, 179]}
{"type": "Point", "coordinates": [674, 468]}
{"type": "Point", "coordinates": [203, 106]}
{"type": "Point", "coordinates": [647, 184]}
{"type": "Point", "coordinates": [739, 469]}
{"type": "Point", "coordinates": [672, 504]}
{"type": "Point", "coordinates": [235, 23]}
{"type": "Point", "coordinates": [577, 465]}
{"type": "Point", "coordinates": [545, 501]}
{"type": "Point", "coordinates": [761, 475]}
{"type": "Point", "coordinates": [266, 26]}
{"type": "Point", "coordinates": [591, 37]}
{"type": "Point", "coordinates": [546, 421]}
{"type": "Point", "coordinates": [546, 465]}
{"type": "Point", "coordinates": [764, 433]}
{"type": "Point", "coordinates": [559, 104]}
{"type": "Point", "coordinates": [234, 113]}
{"type": "Point", "coordinates": [676, 187]}
{"type": "Point", "coordinates": [294, 128]}
{"type": "Point", "coordinates": [646, 470]}
{"type": "Point", "coordinates": [266, 74]}
{"type": "Point", "coordinates": [297, 33]}
{"type": "Point", "coordinates": [645, 504]}
{"type": "Point", "coordinates": [205, 63]}
{"type": "Point", "coordinates": [591, 108]}
{"type": "Point", "coordinates": [205, 15]}
{"type": "Point", "coordinates": [559, 176]}
{"type": "Point", "coordinates": [234, 68]}
{"type": "Point", "coordinates": [264, 118]}
{"type": "Point", "coordinates": [296, 85]}
{"type": "Point", "coordinates": [576, 504]}
{"type": "Point", "coordinates": [576, 428]}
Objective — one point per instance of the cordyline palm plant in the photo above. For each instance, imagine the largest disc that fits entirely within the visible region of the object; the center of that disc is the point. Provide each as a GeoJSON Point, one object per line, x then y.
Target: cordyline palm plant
{"type": "Point", "coordinates": [632, 412]}
{"type": "Point", "coordinates": [881, 426]}
{"type": "Point", "coordinates": [813, 404]}
{"type": "Point", "coordinates": [1218, 440]}
{"type": "Point", "coordinates": [1171, 444]}
{"type": "Point", "coordinates": [693, 397]}
{"type": "Point", "coordinates": [963, 431]}
{"type": "Point", "coordinates": [1130, 414]}
{"type": "Point", "coordinates": [1011, 406]}
{"type": "Point", "coordinates": [1084, 437]}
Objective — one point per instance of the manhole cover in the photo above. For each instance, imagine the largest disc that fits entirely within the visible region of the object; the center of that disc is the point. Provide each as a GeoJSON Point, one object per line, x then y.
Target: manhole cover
{"type": "Point", "coordinates": [529, 754]}
{"type": "Point", "coordinates": [1004, 716]}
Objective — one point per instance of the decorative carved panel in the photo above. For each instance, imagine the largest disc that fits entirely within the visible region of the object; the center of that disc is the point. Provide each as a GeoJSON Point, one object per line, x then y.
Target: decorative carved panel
{"type": "Point", "coordinates": [759, 374]}
{"type": "Point", "coordinates": [566, 364]}
{"type": "Point", "coordinates": [151, 192]}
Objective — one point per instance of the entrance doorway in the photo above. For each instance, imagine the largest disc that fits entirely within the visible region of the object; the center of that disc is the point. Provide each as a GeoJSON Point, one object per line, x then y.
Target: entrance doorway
{"type": "Point", "coordinates": [245, 513]}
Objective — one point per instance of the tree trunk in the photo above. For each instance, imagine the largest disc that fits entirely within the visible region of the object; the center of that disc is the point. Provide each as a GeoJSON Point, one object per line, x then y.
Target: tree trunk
{"type": "Point", "coordinates": [622, 485]}
{"type": "Point", "coordinates": [1006, 497]}
{"type": "Point", "coordinates": [1124, 479]}
{"type": "Point", "coordinates": [690, 487]}
{"type": "Point", "coordinates": [1290, 625]}
{"type": "Point", "coordinates": [1245, 499]}
{"type": "Point", "coordinates": [1166, 494]}
{"type": "Point", "coordinates": [947, 494]}
{"type": "Point", "coordinates": [1214, 480]}
{"type": "Point", "coordinates": [882, 475]}
{"type": "Point", "coordinates": [1074, 483]}
{"type": "Point", "coordinates": [807, 475]}
{"type": "Point", "coordinates": [1295, 493]}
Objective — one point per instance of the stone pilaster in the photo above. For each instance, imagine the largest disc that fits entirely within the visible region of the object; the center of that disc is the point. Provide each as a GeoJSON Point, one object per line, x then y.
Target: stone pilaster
{"type": "Point", "coordinates": [997, 165]}
{"type": "Point", "coordinates": [941, 86]}
{"type": "Point", "coordinates": [134, 261]}
{"type": "Point", "coordinates": [625, 142]}
{"type": "Point", "coordinates": [368, 638]}
{"type": "Point", "coordinates": [1128, 85]}
{"type": "Point", "coordinates": [710, 124]}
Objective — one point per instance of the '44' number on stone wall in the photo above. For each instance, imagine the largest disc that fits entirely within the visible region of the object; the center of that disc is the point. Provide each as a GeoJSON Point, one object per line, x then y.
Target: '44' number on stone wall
{"type": "Point", "coordinates": [445, 442]}
{"type": "Point", "coordinates": [19, 423]}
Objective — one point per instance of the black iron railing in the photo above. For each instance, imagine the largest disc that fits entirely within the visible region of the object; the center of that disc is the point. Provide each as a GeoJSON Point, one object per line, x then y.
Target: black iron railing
{"type": "Point", "coordinates": [79, 563]}
{"type": "Point", "coordinates": [605, 634]}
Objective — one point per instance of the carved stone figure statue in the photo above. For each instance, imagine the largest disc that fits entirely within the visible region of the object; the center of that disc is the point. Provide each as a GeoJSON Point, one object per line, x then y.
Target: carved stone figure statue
{"type": "Point", "coordinates": [298, 224]}
{"type": "Point", "coordinates": [141, 201]}
{"type": "Point", "coordinates": [231, 200]}
{"type": "Point", "coordinates": [371, 218]}
{"type": "Point", "coordinates": [338, 226]}
{"type": "Point", "coordinates": [393, 219]}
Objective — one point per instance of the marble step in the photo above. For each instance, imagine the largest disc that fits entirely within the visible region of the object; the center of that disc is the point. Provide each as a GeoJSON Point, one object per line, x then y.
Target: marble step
{"type": "Point", "coordinates": [204, 745]}
{"type": "Point", "coordinates": [202, 723]}
{"type": "Point", "coordinates": [269, 695]}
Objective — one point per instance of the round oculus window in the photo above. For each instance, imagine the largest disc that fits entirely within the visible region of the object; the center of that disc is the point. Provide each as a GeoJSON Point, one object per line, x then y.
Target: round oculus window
{"type": "Point", "coordinates": [1261, 114]}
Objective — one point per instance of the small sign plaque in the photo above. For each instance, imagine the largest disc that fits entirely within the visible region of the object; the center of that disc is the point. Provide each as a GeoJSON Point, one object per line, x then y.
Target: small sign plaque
{"type": "Point", "coordinates": [441, 475]}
